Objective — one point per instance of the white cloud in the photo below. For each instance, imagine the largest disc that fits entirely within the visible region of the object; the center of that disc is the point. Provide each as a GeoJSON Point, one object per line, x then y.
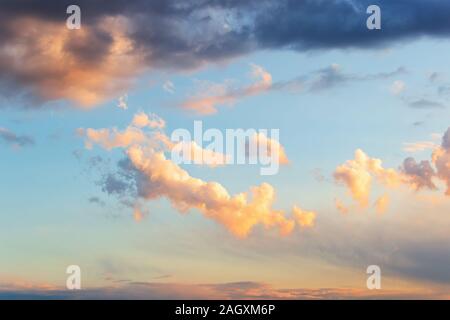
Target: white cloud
{"type": "Point", "coordinates": [398, 87]}
{"type": "Point", "coordinates": [169, 87]}
{"type": "Point", "coordinates": [123, 102]}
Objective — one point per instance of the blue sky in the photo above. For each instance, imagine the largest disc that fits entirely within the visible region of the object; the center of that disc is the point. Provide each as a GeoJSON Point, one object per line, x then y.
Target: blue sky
{"type": "Point", "coordinates": [54, 212]}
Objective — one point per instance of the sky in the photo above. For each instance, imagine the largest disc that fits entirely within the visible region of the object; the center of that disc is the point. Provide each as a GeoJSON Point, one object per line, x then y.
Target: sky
{"type": "Point", "coordinates": [87, 179]}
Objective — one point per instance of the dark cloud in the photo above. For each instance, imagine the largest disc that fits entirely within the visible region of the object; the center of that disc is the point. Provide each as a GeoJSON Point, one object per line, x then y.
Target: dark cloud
{"type": "Point", "coordinates": [425, 104]}
{"type": "Point", "coordinates": [175, 35]}
{"type": "Point", "coordinates": [332, 76]}
{"type": "Point", "coordinates": [446, 140]}
{"type": "Point", "coordinates": [234, 291]}
{"type": "Point", "coordinates": [421, 174]}
{"type": "Point", "coordinates": [96, 200]}
{"type": "Point", "coordinates": [310, 24]}
{"type": "Point", "coordinates": [113, 184]}
{"type": "Point", "coordinates": [14, 140]}
{"type": "Point", "coordinates": [443, 90]}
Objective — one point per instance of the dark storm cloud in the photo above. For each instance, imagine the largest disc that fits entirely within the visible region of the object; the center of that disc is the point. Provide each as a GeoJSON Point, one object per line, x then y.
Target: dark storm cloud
{"type": "Point", "coordinates": [312, 24]}
{"type": "Point", "coordinates": [180, 35]}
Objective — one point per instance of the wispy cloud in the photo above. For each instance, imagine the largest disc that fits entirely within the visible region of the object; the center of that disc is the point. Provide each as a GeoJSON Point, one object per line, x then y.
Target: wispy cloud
{"type": "Point", "coordinates": [15, 140]}
{"type": "Point", "coordinates": [210, 96]}
{"type": "Point", "coordinates": [147, 174]}
{"type": "Point", "coordinates": [169, 87]}
{"type": "Point", "coordinates": [234, 290]}
{"type": "Point", "coordinates": [425, 104]}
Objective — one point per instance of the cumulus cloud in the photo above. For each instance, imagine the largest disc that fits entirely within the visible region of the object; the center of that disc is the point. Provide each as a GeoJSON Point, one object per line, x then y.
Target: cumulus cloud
{"type": "Point", "coordinates": [421, 174]}
{"type": "Point", "coordinates": [15, 140]}
{"type": "Point", "coordinates": [123, 102]}
{"type": "Point", "coordinates": [359, 174]}
{"type": "Point", "coordinates": [418, 146]}
{"type": "Point", "coordinates": [152, 176]}
{"type": "Point", "coordinates": [340, 206]}
{"type": "Point", "coordinates": [304, 218]}
{"type": "Point", "coordinates": [334, 76]}
{"type": "Point", "coordinates": [265, 147]}
{"type": "Point", "coordinates": [160, 177]}
{"type": "Point", "coordinates": [112, 138]}
{"type": "Point", "coordinates": [86, 66]}
{"type": "Point", "coordinates": [441, 159]}
{"type": "Point", "coordinates": [142, 119]}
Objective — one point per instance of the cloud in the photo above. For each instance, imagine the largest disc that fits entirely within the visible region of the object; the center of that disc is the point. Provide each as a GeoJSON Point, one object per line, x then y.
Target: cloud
{"type": "Point", "coordinates": [146, 174]}
{"type": "Point", "coordinates": [86, 66]}
{"type": "Point", "coordinates": [304, 218]}
{"type": "Point", "coordinates": [159, 177]}
{"type": "Point", "coordinates": [113, 184]}
{"type": "Point", "coordinates": [446, 140]}
{"type": "Point", "coordinates": [123, 103]}
{"type": "Point", "coordinates": [398, 87]}
{"type": "Point", "coordinates": [382, 204]}
{"type": "Point", "coordinates": [358, 174]}
{"type": "Point", "coordinates": [425, 104]}
{"type": "Point", "coordinates": [110, 139]}
{"type": "Point", "coordinates": [169, 87]}
{"type": "Point", "coordinates": [14, 140]}
{"type": "Point", "coordinates": [219, 291]}
{"type": "Point", "coordinates": [341, 207]}
{"type": "Point", "coordinates": [264, 147]}
{"type": "Point", "coordinates": [139, 212]}
{"type": "Point", "coordinates": [441, 159]}
{"type": "Point", "coordinates": [435, 76]}
{"type": "Point", "coordinates": [142, 119]}
{"type": "Point", "coordinates": [192, 153]}
{"type": "Point", "coordinates": [343, 23]}
{"type": "Point", "coordinates": [419, 146]}
{"type": "Point", "coordinates": [119, 41]}
{"type": "Point", "coordinates": [421, 174]}
{"type": "Point", "coordinates": [211, 95]}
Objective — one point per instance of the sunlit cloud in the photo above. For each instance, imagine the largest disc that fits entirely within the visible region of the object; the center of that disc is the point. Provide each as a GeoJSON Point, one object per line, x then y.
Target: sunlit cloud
{"type": "Point", "coordinates": [211, 95]}
{"type": "Point", "coordinates": [359, 174]}
{"type": "Point", "coordinates": [155, 176]}
{"type": "Point", "coordinates": [224, 291]}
